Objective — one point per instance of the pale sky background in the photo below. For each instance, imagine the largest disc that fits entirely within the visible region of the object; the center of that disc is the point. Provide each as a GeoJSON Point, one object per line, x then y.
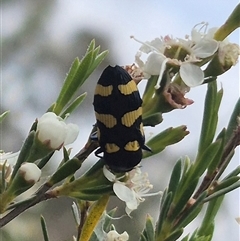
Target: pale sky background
{"type": "Point", "coordinates": [118, 20]}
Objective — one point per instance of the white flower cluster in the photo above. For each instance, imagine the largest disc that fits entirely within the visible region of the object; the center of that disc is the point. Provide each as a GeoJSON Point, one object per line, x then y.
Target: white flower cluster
{"type": "Point", "coordinates": [133, 190]}
{"type": "Point", "coordinates": [53, 132]}
{"type": "Point", "coordinates": [185, 54]}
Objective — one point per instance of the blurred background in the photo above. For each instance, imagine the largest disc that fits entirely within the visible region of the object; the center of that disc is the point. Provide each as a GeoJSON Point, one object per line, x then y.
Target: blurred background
{"type": "Point", "coordinates": [39, 41]}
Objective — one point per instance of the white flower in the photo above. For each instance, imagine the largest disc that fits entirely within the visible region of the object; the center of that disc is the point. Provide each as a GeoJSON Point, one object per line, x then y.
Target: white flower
{"type": "Point", "coordinates": [133, 190]}
{"type": "Point", "coordinates": [54, 132]}
{"type": "Point", "coordinates": [113, 235]}
{"type": "Point", "coordinates": [30, 172]}
{"type": "Point", "coordinates": [184, 53]}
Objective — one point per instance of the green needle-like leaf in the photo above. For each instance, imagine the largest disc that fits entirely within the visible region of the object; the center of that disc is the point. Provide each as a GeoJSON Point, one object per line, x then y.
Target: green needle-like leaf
{"type": "Point", "coordinates": [208, 221]}
{"type": "Point", "coordinates": [218, 157]}
{"type": "Point", "coordinates": [206, 159]}
{"type": "Point", "coordinates": [185, 238]}
{"type": "Point", "coordinates": [233, 122]}
{"type": "Point", "coordinates": [223, 191]}
{"type": "Point", "coordinates": [74, 105]}
{"type": "Point", "coordinates": [163, 213]}
{"type": "Point", "coordinates": [232, 23]}
{"type": "Point", "coordinates": [148, 232]}
{"type": "Point", "coordinates": [174, 235]}
{"type": "Point", "coordinates": [79, 72]}
{"type": "Point", "coordinates": [91, 46]}
{"type": "Point", "coordinates": [45, 160]}
{"type": "Point", "coordinates": [227, 183]}
{"type": "Point", "coordinates": [85, 64]}
{"type": "Point", "coordinates": [149, 89]}
{"type": "Point", "coordinates": [86, 67]}
{"type": "Point", "coordinates": [63, 97]}
{"type": "Point", "coordinates": [44, 229]}
{"type": "Point", "coordinates": [210, 118]}
{"type": "Point", "coordinates": [24, 153]}
{"type": "Point", "coordinates": [182, 197]}
{"type": "Point", "coordinates": [175, 177]}
{"type": "Point", "coordinates": [90, 186]}
{"type": "Point", "coordinates": [153, 119]}
{"type": "Point", "coordinates": [3, 177]}
{"type": "Point", "coordinates": [235, 172]}
{"type": "Point", "coordinates": [64, 171]}
{"type": "Point", "coordinates": [142, 237]}
{"type": "Point", "coordinates": [191, 212]}
{"type": "Point", "coordinates": [99, 58]}
{"type": "Point", "coordinates": [164, 196]}
{"type": "Point", "coordinates": [3, 115]}
{"type": "Point", "coordinates": [168, 137]}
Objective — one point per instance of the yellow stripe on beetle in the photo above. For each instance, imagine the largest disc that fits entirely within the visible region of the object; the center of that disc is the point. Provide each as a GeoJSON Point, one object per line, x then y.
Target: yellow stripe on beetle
{"type": "Point", "coordinates": [108, 120]}
{"type": "Point", "coordinates": [103, 90]}
{"type": "Point", "coordinates": [128, 88]}
{"type": "Point", "coordinates": [130, 117]}
{"type": "Point", "coordinates": [132, 146]}
{"type": "Point", "coordinates": [111, 148]}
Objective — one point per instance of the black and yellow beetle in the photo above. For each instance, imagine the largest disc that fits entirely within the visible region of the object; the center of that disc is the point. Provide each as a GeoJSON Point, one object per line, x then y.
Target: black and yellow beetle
{"type": "Point", "coordinates": [117, 104]}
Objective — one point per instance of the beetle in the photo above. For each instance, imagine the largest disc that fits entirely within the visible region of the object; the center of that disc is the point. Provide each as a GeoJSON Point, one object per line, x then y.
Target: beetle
{"type": "Point", "coordinates": [118, 110]}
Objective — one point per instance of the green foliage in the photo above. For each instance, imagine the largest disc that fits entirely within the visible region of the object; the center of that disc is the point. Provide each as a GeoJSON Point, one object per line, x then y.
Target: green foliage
{"type": "Point", "coordinates": [78, 73]}
{"type": "Point", "coordinates": [233, 122]}
{"type": "Point", "coordinates": [24, 153]}
{"type": "Point", "coordinates": [74, 105]}
{"type": "Point", "coordinates": [148, 233]}
{"type": "Point", "coordinates": [168, 137]}
{"type": "Point", "coordinates": [179, 204]}
{"type": "Point", "coordinates": [231, 24]}
{"type": "Point", "coordinates": [3, 116]}
{"type": "Point", "coordinates": [210, 117]}
{"type": "Point", "coordinates": [44, 229]}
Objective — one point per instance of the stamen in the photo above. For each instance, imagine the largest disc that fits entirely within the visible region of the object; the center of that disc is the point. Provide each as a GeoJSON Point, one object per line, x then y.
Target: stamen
{"type": "Point", "coordinates": [195, 26]}
{"type": "Point", "coordinates": [66, 116]}
{"type": "Point", "coordinates": [162, 69]}
{"type": "Point", "coordinates": [204, 25]}
{"type": "Point", "coordinates": [152, 194]}
{"type": "Point", "coordinates": [146, 44]}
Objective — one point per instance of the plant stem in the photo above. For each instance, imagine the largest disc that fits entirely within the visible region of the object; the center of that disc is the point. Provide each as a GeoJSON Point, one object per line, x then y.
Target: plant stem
{"type": "Point", "coordinates": [39, 197]}
{"type": "Point", "coordinates": [233, 142]}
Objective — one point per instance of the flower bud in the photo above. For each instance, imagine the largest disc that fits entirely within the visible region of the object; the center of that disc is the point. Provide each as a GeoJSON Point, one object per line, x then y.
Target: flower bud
{"type": "Point", "coordinates": [27, 175]}
{"type": "Point", "coordinates": [30, 172]}
{"type": "Point", "coordinates": [226, 58]}
{"type": "Point", "coordinates": [53, 132]}
{"type": "Point", "coordinates": [228, 55]}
